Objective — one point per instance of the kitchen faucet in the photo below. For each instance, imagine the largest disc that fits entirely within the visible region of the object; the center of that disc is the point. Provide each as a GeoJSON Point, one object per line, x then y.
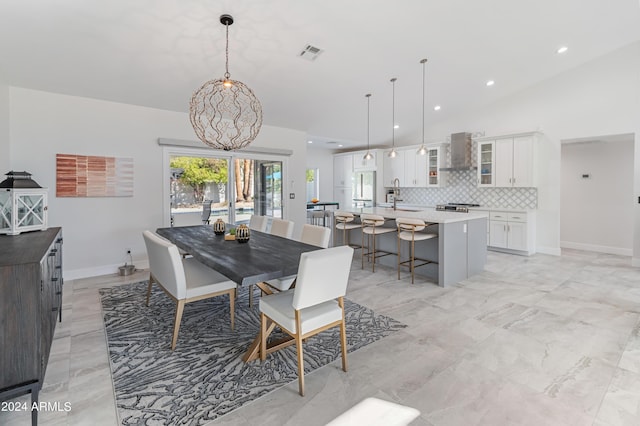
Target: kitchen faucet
{"type": "Point", "coordinates": [396, 192]}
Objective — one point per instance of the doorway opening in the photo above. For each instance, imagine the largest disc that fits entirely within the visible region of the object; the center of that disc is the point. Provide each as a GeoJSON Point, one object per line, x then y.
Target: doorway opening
{"type": "Point", "coordinates": [597, 175]}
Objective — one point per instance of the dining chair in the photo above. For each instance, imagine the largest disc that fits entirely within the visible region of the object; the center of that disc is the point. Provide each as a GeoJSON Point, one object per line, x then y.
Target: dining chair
{"type": "Point", "coordinates": [258, 223]}
{"type": "Point", "coordinates": [312, 235]}
{"type": "Point", "coordinates": [411, 230]}
{"type": "Point", "coordinates": [183, 280]}
{"type": "Point", "coordinates": [281, 228]}
{"type": "Point", "coordinates": [314, 305]}
{"type": "Point", "coordinates": [206, 211]}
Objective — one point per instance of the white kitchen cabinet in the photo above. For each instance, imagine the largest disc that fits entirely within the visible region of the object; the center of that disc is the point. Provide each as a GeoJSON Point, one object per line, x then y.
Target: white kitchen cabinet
{"type": "Point", "coordinates": [514, 162]}
{"type": "Point", "coordinates": [435, 177]}
{"type": "Point", "coordinates": [393, 168]}
{"type": "Point", "coordinates": [486, 163]}
{"type": "Point", "coordinates": [342, 170]}
{"type": "Point", "coordinates": [507, 162]}
{"type": "Point", "coordinates": [344, 196]}
{"type": "Point", "coordinates": [361, 165]}
{"type": "Point", "coordinates": [512, 231]}
{"type": "Point", "coordinates": [415, 169]}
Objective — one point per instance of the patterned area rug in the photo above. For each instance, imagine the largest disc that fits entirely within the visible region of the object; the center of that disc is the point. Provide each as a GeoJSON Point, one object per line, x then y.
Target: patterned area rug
{"type": "Point", "coordinates": [205, 378]}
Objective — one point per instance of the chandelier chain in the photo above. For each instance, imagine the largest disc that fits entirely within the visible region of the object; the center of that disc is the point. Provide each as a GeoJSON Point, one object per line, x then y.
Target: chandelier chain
{"type": "Point", "coordinates": [226, 74]}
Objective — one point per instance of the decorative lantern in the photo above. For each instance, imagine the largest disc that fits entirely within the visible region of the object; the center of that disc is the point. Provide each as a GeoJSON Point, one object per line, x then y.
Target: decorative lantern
{"type": "Point", "coordinates": [23, 204]}
{"type": "Point", "coordinates": [218, 227]}
{"type": "Point", "coordinates": [242, 233]}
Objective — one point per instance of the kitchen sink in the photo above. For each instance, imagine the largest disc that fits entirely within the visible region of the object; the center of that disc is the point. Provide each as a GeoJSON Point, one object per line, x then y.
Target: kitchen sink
{"type": "Point", "coordinates": [404, 210]}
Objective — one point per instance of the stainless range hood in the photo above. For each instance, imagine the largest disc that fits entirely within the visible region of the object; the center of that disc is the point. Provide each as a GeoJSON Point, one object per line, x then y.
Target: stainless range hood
{"type": "Point", "coordinates": [460, 152]}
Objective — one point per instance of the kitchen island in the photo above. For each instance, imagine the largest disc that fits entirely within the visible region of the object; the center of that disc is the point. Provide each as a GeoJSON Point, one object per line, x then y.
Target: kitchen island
{"type": "Point", "coordinates": [460, 249]}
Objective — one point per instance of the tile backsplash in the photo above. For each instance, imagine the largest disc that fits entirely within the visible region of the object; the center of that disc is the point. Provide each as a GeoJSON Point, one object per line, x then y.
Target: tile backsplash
{"type": "Point", "coordinates": [461, 188]}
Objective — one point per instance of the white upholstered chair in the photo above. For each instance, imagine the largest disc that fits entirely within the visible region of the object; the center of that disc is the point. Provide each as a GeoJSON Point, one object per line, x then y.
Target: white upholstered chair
{"type": "Point", "coordinates": [313, 235]}
{"type": "Point", "coordinates": [184, 280]}
{"type": "Point", "coordinates": [411, 230]}
{"type": "Point", "coordinates": [345, 222]}
{"type": "Point", "coordinates": [316, 304]}
{"type": "Point", "coordinates": [372, 226]}
{"type": "Point", "coordinates": [281, 228]}
{"type": "Point", "coordinates": [258, 223]}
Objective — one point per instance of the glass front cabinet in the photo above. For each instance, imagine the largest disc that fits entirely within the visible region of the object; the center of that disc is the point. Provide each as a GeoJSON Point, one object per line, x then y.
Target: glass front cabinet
{"type": "Point", "coordinates": [435, 177]}
{"type": "Point", "coordinates": [22, 210]}
{"type": "Point", "coordinates": [486, 163]}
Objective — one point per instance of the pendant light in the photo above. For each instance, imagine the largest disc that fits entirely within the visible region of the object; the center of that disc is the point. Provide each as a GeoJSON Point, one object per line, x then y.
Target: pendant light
{"type": "Point", "coordinates": [368, 156]}
{"type": "Point", "coordinates": [392, 153]}
{"type": "Point", "coordinates": [225, 113]}
{"type": "Point", "coordinates": [423, 150]}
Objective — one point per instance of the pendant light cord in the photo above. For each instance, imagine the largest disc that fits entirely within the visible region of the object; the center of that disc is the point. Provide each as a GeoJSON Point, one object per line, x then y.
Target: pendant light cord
{"type": "Point", "coordinates": [424, 61]}
{"type": "Point", "coordinates": [368, 100]}
{"type": "Point", "coordinates": [393, 113]}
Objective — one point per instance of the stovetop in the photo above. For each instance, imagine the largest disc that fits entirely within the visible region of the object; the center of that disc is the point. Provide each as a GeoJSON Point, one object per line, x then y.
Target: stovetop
{"type": "Point", "coordinates": [456, 207]}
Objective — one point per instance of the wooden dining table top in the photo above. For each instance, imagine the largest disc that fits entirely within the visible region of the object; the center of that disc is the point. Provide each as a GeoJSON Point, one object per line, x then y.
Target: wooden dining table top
{"type": "Point", "coordinates": [264, 257]}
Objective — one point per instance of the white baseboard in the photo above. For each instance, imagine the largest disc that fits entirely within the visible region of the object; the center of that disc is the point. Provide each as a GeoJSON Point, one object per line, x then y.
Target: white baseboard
{"type": "Point", "coordinates": [553, 251]}
{"type": "Point", "coordinates": [97, 271]}
{"type": "Point", "coordinates": [599, 249]}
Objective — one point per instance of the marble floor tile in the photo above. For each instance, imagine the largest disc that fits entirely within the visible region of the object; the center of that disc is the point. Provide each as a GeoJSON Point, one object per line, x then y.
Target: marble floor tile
{"type": "Point", "coordinates": [539, 340]}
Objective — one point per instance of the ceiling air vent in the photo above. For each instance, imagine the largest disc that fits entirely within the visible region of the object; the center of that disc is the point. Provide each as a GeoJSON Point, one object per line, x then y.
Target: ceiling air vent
{"type": "Point", "coordinates": [310, 53]}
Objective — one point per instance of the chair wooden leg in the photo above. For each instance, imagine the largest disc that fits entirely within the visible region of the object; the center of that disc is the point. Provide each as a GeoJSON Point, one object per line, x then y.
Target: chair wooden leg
{"type": "Point", "coordinates": [362, 252]}
{"type": "Point", "coordinates": [232, 306]}
{"type": "Point", "coordinates": [299, 352]}
{"type": "Point", "coordinates": [413, 259]}
{"type": "Point", "coordinates": [343, 336]}
{"type": "Point", "coordinates": [176, 326]}
{"type": "Point", "coordinates": [373, 268]}
{"type": "Point", "coordinates": [263, 337]}
{"type": "Point", "coordinates": [149, 288]}
{"type": "Point", "coordinates": [399, 253]}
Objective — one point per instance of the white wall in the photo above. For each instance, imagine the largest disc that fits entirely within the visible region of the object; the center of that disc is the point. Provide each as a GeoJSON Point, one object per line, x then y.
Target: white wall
{"type": "Point", "coordinates": [598, 98]}
{"type": "Point", "coordinates": [97, 230]}
{"type": "Point", "coordinates": [5, 151]}
{"type": "Point", "coordinates": [595, 212]}
{"type": "Point", "coordinates": [322, 159]}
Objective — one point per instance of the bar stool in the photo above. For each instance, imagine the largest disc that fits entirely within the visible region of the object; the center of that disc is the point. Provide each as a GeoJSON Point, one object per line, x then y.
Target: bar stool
{"type": "Point", "coordinates": [345, 222]}
{"type": "Point", "coordinates": [372, 225]}
{"type": "Point", "coordinates": [410, 230]}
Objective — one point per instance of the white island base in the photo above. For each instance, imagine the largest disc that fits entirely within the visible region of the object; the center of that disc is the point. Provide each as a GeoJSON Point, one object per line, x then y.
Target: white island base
{"type": "Point", "coordinates": [460, 249]}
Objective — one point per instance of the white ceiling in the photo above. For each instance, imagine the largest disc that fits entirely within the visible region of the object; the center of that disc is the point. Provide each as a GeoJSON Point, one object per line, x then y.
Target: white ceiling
{"type": "Point", "coordinates": [157, 52]}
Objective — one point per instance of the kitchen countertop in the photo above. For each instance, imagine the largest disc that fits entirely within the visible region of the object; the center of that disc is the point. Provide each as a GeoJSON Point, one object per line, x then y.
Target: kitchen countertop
{"type": "Point", "coordinates": [481, 208]}
{"type": "Point", "coordinates": [426, 214]}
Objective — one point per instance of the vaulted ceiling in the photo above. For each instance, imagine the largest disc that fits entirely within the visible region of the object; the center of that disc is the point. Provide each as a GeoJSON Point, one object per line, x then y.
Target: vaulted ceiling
{"type": "Point", "coordinates": [155, 53]}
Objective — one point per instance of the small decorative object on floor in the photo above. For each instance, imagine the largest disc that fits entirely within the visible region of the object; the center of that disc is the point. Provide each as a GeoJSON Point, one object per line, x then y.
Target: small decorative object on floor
{"type": "Point", "coordinates": [218, 227]}
{"type": "Point", "coordinates": [242, 233]}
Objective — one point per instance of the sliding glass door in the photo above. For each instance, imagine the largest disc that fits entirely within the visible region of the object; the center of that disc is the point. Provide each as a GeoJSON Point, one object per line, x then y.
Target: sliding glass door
{"type": "Point", "coordinates": [235, 186]}
{"type": "Point", "coordinates": [258, 188]}
{"type": "Point", "coordinates": [196, 181]}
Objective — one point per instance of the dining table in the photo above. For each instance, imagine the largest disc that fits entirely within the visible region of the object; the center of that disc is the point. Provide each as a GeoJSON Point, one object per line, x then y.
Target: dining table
{"type": "Point", "coordinates": [264, 257]}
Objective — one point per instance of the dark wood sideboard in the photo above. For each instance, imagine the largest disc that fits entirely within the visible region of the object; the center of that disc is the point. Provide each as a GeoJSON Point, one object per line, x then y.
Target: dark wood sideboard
{"type": "Point", "coordinates": [30, 303]}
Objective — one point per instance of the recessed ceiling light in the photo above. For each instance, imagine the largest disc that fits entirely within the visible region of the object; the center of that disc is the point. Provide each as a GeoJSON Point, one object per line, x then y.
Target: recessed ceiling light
{"type": "Point", "coordinates": [437, 107]}
{"type": "Point", "coordinates": [562, 50]}
{"type": "Point", "coordinates": [396, 126]}
{"type": "Point", "coordinates": [340, 146]}
{"type": "Point", "coordinates": [309, 141]}
{"type": "Point", "coordinates": [490, 83]}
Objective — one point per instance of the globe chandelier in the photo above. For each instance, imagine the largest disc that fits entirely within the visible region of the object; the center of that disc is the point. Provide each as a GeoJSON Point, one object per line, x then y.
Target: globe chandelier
{"type": "Point", "coordinates": [225, 113]}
